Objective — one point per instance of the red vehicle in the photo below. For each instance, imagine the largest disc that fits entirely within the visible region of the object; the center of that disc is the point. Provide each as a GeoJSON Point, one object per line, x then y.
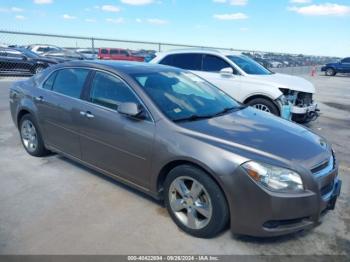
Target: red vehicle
{"type": "Point", "coordinates": [117, 54]}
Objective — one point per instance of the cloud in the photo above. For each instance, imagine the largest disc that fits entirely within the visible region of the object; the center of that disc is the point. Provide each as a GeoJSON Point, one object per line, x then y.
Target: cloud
{"type": "Point", "coordinates": [20, 17]}
{"type": "Point", "coordinates": [68, 17]}
{"type": "Point", "coordinates": [12, 9]}
{"type": "Point", "coordinates": [110, 8]}
{"type": "Point", "coordinates": [300, 1]}
{"type": "Point", "coordinates": [232, 2]}
{"type": "Point", "coordinates": [90, 20]}
{"type": "Point", "coordinates": [138, 20]}
{"type": "Point", "coordinates": [234, 16]}
{"type": "Point", "coordinates": [137, 2]}
{"type": "Point", "coordinates": [115, 20]}
{"type": "Point", "coordinates": [326, 9]}
{"type": "Point", "coordinates": [43, 2]}
{"type": "Point", "coordinates": [16, 9]}
{"type": "Point", "coordinates": [156, 21]}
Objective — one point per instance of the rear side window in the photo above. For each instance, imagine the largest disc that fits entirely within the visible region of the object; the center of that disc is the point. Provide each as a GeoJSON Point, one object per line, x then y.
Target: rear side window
{"type": "Point", "coordinates": [114, 52]}
{"type": "Point", "coordinates": [184, 61]}
{"type": "Point", "coordinates": [49, 82]}
{"type": "Point", "coordinates": [104, 51]}
{"type": "Point", "coordinates": [124, 52]}
{"type": "Point", "coordinates": [109, 91]}
{"type": "Point", "coordinates": [70, 82]}
{"type": "Point", "coordinates": [346, 60]}
{"type": "Point", "coordinates": [213, 63]}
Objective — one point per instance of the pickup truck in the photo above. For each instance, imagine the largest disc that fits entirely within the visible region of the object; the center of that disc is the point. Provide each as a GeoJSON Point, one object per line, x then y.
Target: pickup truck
{"type": "Point", "coordinates": [118, 54]}
{"type": "Point", "coordinates": [331, 69]}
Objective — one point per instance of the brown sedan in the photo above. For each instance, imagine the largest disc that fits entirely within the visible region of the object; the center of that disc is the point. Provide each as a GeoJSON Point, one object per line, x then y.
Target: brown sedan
{"type": "Point", "coordinates": [176, 137]}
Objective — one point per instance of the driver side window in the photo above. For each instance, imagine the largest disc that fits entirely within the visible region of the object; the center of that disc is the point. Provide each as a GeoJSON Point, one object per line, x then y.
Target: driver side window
{"type": "Point", "coordinates": [212, 63]}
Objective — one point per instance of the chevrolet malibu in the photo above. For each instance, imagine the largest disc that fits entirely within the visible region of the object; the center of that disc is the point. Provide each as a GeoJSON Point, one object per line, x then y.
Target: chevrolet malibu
{"type": "Point", "coordinates": [178, 138]}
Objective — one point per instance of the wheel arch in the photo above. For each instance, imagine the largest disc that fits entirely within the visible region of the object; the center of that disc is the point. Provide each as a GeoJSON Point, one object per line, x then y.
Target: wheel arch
{"type": "Point", "coordinates": [175, 163]}
{"type": "Point", "coordinates": [250, 98]}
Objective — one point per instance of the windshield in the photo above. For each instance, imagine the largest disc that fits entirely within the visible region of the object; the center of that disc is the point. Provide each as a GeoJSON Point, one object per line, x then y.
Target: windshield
{"type": "Point", "coordinates": [183, 96]}
{"type": "Point", "coordinates": [249, 66]}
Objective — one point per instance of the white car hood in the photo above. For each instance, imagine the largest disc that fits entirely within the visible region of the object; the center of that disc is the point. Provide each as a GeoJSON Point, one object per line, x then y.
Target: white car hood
{"type": "Point", "coordinates": [284, 81]}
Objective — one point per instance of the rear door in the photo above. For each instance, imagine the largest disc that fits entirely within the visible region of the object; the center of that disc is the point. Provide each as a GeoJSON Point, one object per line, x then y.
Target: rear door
{"type": "Point", "coordinates": [114, 54]}
{"type": "Point", "coordinates": [59, 104]}
{"type": "Point", "coordinates": [113, 142]}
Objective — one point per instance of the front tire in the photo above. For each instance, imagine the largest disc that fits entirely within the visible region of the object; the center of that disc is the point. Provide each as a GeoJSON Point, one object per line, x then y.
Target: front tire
{"type": "Point", "coordinates": [330, 72]}
{"type": "Point", "coordinates": [31, 137]}
{"type": "Point", "coordinates": [195, 202]}
{"type": "Point", "coordinates": [264, 105]}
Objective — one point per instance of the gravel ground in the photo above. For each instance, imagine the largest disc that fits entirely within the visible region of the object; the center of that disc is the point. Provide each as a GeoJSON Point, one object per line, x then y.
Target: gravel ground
{"type": "Point", "coordinates": [54, 206]}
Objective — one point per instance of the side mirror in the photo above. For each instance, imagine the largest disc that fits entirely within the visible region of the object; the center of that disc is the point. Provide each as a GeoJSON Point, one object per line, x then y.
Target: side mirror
{"type": "Point", "coordinates": [227, 71]}
{"type": "Point", "coordinates": [130, 109]}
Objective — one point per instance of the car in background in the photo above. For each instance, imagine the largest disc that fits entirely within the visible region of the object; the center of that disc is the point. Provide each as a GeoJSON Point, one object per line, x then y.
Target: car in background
{"type": "Point", "coordinates": [248, 82]}
{"type": "Point", "coordinates": [331, 69]}
{"type": "Point", "coordinates": [41, 49]}
{"type": "Point", "coordinates": [64, 55]}
{"type": "Point", "coordinates": [22, 61]}
{"type": "Point", "coordinates": [89, 53]}
{"type": "Point", "coordinates": [118, 54]}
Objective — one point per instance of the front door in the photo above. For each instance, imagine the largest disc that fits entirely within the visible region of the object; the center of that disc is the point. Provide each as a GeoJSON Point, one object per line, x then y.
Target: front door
{"type": "Point", "coordinates": [113, 142]}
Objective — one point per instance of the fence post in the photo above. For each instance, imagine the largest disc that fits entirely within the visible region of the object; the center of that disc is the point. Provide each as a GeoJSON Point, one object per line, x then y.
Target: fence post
{"type": "Point", "coordinates": [93, 44]}
{"type": "Point", "coordinates": [159, 47]}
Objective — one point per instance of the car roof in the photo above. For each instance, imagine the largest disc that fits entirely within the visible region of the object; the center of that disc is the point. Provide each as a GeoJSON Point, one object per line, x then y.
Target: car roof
{"type": "Point", "coordinates": [126, 67]}
{"type": "Point", "coordinates": [203, 50]}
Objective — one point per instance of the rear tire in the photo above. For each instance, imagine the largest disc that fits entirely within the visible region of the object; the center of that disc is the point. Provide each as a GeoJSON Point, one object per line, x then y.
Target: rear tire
{"type": "Point", "coordinates": [330, 72]}
{"type": "Point", "coordinates": [31, 137]}
{"type": "Point", "coordinates": [195, 202]}
{"type": "Point", "coordinates": [264, 105]}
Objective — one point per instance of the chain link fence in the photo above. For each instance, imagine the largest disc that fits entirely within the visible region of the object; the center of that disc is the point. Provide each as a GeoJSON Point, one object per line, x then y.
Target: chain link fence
{"type": "Point", "coordinates": [15, 60]}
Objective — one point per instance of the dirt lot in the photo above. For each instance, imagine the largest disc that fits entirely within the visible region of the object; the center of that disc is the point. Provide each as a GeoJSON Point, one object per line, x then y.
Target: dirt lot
{"type": "Point", "coordinates": [54, 206]}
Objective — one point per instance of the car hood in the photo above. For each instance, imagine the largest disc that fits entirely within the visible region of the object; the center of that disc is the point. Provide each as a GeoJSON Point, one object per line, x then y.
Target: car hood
{"type": "Point", "coordinates": [264, 134]}
{"type": "Point", "coordinates": [284, 81]}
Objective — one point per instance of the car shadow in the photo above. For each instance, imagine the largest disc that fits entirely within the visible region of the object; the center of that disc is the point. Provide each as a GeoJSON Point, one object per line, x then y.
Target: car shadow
{"type": "Point", "coordinates": [272, 240]}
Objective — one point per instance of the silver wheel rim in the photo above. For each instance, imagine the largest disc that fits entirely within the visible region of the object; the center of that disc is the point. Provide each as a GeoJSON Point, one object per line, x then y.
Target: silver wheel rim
{"type": "Point", "coordinates": [29, 136]}
{"type": "Point", "coordinates": [190, 202]}
{"type": "Point", "coordinates": [329, 72]}
{"type": "Point", "coordinates": [262, 107]}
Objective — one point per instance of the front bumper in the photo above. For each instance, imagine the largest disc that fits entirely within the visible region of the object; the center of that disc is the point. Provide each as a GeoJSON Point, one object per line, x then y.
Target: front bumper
{"type": "Point", "coordinates": [304, 110]}
{"type": "Point", "coordinates": [256, 211]}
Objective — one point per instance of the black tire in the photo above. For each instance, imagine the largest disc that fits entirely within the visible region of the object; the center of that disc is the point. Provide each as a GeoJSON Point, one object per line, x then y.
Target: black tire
{"type": "Point", "coordinates": [220, 212]}
{"type": "Point", "coordinates": [40, 149]}
{"type": "Point", "coordinates": [272, 108]}
{"type": "Point", "coordinates": [330, 72]}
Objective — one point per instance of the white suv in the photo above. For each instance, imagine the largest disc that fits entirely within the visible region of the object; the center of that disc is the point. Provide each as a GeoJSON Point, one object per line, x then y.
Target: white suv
{"type": "Point", "coordinates": [248, 82]}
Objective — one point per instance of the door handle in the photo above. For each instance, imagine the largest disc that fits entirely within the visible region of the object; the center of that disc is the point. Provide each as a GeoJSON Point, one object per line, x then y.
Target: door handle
{"type": "Point", "coordinates": [39, 98]}
{"type": "Point", "coordinates": [87, 114]}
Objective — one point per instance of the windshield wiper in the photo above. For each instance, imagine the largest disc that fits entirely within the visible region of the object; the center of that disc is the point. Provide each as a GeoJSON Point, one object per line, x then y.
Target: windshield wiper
{"type": "Point", "coordinates": [192, 118]}
{"type": "Point", "coordinates": [230, 109]}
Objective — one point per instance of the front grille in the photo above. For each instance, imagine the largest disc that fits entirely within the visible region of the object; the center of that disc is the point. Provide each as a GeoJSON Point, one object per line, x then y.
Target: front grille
{"type": "Point", "coordinates": [304, 99]}
{"type": "Point", "coordinates": [320, 167]}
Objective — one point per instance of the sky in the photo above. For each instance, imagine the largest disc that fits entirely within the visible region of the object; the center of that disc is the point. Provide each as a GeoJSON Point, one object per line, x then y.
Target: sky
{"type": "Point", "coordinates": [315, 27]}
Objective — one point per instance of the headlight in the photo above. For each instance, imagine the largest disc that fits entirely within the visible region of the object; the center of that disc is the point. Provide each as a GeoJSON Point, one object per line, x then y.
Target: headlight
{"type": "Point", "coordinates": [274, 178]}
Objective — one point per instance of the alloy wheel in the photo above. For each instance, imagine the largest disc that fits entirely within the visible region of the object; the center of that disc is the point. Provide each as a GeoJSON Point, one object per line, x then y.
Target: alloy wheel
{"type": "Point", "coordinates": [262, 107]}
{"type": "Point", "coordinates": [29, 136]}
{"type": "Point", "coordinates": [190, 202]}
